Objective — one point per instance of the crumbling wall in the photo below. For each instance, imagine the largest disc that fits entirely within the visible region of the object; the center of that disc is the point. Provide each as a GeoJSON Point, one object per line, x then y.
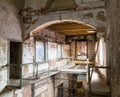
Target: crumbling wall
{"type": "Point", "coordinates": [28, 56]}
{"type": "Point", "coordinates": [3, 63]}
{"type": "Point", "coordinates": [66, 51]}
{"type": "Point", "coordinates": [10, 29]}
{"type": "Point", "coordinates": [10, 26]}
{"type": "Point", "coordinates": [78, 15]}
{"type": "Point", "coordinates": [113, 38]}
{"type": "Point", "coordinates": [92, 13]}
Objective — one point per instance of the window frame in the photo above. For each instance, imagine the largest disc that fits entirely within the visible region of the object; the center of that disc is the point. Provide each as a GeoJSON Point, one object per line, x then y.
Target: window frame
{"type": "Point", "coordinates": [59, 58]}
{"type": "Point", "coordinates": [44, 52]}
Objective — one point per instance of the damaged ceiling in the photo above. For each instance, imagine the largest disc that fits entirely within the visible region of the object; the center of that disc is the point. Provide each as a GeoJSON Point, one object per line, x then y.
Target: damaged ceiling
{"type": "Point", "coordinates": [53, 5]}
{"type": "Point", "coordinates": [46, 6]}
{"type": "Point", "coordinates": [72, 28]}
{"type": "Point", "coordinates": [67, 28]}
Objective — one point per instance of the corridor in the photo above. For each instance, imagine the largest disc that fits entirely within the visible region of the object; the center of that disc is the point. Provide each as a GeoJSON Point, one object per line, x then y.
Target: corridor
{"type": "Point", "coordinates": [59, 48]}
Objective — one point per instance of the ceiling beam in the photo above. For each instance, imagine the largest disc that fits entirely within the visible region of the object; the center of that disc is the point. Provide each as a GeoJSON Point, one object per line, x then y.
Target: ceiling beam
{"type": "Point", "coordinates": [56, 27]}
{"type": "Point", "coordinates": [67, 30]}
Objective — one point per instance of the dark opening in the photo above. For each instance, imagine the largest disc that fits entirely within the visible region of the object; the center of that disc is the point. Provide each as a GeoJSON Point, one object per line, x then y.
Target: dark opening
{"type": "Point", "coordinates": [15, 59]}
{"type": "Point", "coordinates": [60, 90]}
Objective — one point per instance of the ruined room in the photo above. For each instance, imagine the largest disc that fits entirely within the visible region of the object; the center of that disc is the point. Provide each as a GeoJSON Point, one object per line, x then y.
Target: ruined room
{"type": "Point", "coordinates": [59, 48]}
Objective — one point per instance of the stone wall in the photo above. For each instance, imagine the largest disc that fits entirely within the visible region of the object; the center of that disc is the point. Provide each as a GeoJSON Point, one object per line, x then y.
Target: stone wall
{"type": "Point", "coordinates": [10, 29]}
{"type": "Point", "coordinates": [113, 33]}
{"type": "Point", "coordinates": [10, 24]}
{"type": "Point", "coordinates": [95, 20]}
{"type": "Point", "coordinates": [90, 13]}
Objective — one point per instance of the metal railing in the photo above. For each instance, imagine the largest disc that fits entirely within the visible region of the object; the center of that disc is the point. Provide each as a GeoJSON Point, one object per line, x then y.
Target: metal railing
{"type": "Point", "coordinates": [90, 73]}
{"type": "Point", "coordinates": [37, 73]}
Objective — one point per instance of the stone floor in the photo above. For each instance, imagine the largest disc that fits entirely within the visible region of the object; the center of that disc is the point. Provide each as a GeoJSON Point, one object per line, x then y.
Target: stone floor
{"type": "Point", "coordinates": [99, 87]}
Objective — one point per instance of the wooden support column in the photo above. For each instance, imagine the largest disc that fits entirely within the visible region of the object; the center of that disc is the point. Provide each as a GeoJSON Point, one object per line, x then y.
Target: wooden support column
{"type": "Point", "coordinates": [75, 49]}
{"type": "Point", "coordinates": [87, 48]}
{"type": "Point", "coordinates": [33, 89]}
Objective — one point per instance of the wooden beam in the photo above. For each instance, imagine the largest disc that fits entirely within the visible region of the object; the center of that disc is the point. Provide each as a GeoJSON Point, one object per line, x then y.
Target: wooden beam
{"type": "Point", "coordinates": [68, 26]}
{"type": "Point", "coordinates": [67, 30]}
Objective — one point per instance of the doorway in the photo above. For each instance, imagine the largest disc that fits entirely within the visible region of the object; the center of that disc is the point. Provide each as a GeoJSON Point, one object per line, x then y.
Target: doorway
{"type": "Point", "coordinates": [60, 90]}
{"type": "Point", "coordinates": [15, 59]}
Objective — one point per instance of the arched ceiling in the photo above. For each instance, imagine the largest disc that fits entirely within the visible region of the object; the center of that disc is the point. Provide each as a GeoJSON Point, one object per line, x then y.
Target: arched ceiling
{"type": "Point", "coordinates": [67, 27]}
{"type": "Point", "coordinates": [72, 28]}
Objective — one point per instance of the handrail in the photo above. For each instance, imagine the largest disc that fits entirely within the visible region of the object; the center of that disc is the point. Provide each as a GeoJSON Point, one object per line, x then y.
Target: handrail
{"type": "Point", "coordinates": [39, 62]}
{"type": "Point", "coordinates": [35, 64]}
{"type": "Point", "coordinates": [37, 71]}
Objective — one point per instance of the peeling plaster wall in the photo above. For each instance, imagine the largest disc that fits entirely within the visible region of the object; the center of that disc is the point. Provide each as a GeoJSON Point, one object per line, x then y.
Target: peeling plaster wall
{"type": "Point", "coordinates": [24, 92]}
{"type": "Point", "coordinates": [10, 26]}
{"type": "Point", "coordinates": [101, 56]}
{"type": "Point", "coordinates": [28, 51]}
{"type": "Point", "coordinates": [7, 94]}
{"type": "Point", "coordinates": [113, 39]}
{"type": "Point", "coordinates": [11, 29]}
{"type": "Point", "coordinates": [28, 56]}
{"type": "Point", "coordinates": [94, 17]}
{"type": "Point", "coordinates": [3, 52]}
{"type": "Point", "coordinates": [3, 63]}
{"type": "Point", "coordinates": [3, 78]}
{"type": "Point", "coordinates": [66, 51]}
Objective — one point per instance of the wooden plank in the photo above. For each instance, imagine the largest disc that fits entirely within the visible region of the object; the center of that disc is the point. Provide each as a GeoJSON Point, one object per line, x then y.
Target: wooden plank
{"type": "Point", "coordinates": [84, 62]}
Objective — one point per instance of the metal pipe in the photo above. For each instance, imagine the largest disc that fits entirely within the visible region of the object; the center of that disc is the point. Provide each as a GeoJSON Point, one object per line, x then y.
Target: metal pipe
{"type": "Point", "coordinates": [36, 70]}
{"type": "Point", "coordinates": [89, 83]}
{"type": "Point", "coordinates": [21, 76]}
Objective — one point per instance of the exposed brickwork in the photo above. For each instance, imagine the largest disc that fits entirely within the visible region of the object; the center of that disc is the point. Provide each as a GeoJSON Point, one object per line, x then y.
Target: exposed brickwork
{"type": "Point", "coordinates": [88, 15]}
{"type": "Point", "coordinates": [101, 16]}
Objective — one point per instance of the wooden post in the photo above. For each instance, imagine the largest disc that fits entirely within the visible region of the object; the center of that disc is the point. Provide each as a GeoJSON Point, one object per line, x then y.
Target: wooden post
{"type": "Point", "coordinates": [75, 49]}
{"type": "Point", "coordinates": [33, 89]}
{"type": "Point", "coordinates": [87, 48]}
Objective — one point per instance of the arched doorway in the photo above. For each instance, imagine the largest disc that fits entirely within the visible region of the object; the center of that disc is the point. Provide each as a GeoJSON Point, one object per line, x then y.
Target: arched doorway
{"type": "Point", "coordinates": [67, 37]}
